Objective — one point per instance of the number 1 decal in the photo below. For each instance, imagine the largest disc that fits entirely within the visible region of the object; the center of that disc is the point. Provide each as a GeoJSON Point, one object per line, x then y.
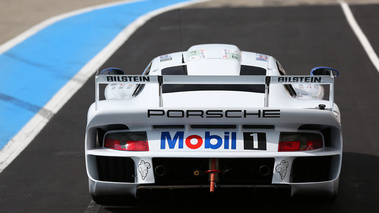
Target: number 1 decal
{"type": "Point", "coordinates": [254, 140]}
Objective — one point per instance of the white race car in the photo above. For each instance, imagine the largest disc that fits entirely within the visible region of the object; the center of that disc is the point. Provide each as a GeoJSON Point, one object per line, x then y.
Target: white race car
{"type": "Point", "coordinates": [213, 118]}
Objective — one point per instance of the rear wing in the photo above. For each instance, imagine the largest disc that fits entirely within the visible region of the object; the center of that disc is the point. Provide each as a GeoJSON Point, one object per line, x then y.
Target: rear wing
{"type": "Point", "coordinates": [232, 80]}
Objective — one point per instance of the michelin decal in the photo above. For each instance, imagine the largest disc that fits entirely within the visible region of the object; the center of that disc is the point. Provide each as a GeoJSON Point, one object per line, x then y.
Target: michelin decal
{"type": "Point", "coordinates": [143, 168]}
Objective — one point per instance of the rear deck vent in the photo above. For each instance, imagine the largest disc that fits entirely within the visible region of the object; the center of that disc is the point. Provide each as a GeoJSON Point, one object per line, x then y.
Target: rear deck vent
{"type": "Point", "coordinates": [168, 126]}
{"type": "Point", "coordinates": [258, 126]}
{"type": "Point", "coordinates": [213, 126]}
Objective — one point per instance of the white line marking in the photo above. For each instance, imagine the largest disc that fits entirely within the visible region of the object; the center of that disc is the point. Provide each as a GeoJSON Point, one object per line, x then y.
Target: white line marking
{"type": "Point", "coordinates": [92, 207]}
{"type": "Point", "coordinates": [20, 141]}
{"type": "Point", "coordinates": [35, 29]}
{"type": "Point", "coordinates": [23, 138]}
{"type": "Point", "coordinates": [361, 36]}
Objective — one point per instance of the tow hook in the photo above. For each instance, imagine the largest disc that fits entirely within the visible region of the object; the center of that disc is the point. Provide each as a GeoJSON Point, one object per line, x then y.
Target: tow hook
{"type": "Point", "coordinates": [213, 174]}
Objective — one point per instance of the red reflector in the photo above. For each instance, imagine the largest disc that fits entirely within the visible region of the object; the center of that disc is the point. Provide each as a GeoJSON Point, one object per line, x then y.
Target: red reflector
{"type": "Point", "coordinates": [314, 144]}
{"type": "Point", "coordinates": [290, 146]}
{"type": "Point", "coordinates": [127, 141]}
{"type": "Point", "coordinates": [126, 145]}
{"type": "Point", "coordinates": [113, 144]}
{"type": "Point", "coordinates": [137, 146]}
{"type": "Point", "coordinates": [290, 142]}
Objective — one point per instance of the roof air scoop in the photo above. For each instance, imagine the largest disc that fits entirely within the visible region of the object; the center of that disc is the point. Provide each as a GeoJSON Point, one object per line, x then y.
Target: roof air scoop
{"type": "Point", "coordinates": [214, 51]}
{"type": "Point", "coordinates": [214, 59]}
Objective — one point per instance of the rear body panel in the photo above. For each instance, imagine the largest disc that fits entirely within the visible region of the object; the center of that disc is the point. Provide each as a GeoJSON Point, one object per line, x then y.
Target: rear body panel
{"type": "Point", "coordinates": [200, 135]}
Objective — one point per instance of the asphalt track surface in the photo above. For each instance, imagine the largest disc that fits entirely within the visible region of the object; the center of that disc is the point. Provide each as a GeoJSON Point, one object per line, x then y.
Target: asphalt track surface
{"type": "Point", "coordinates": [49, 175]}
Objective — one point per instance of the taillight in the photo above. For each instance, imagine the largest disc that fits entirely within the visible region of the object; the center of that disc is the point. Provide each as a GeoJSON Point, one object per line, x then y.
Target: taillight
{"type": "Point", "coordinates": [127, 141]}
{"type": "Point", "coordinates": [298, 141]}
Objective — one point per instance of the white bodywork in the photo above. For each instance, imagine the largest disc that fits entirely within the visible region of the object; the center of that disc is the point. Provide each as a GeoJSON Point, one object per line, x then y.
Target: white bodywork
{"type": "Point", "coordinates": [214, 123]}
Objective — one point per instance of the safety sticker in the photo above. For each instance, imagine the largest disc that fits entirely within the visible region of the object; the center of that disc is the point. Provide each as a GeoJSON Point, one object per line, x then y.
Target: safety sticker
{"type": "Point", "coordinates": [262, 57]}
{"type": "Point", "coordinates": [196, 54]}
{"type": "Point", "coordinates": [143, 168]}
{"type": "Point", "coordinates": [165, 58]}
{"type": "Point", "coordinates": [231, 54]}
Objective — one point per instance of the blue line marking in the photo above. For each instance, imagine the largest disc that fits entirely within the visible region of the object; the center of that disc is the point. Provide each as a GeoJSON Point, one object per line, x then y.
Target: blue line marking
{"type": "Point", "coordinates": [37, 68]}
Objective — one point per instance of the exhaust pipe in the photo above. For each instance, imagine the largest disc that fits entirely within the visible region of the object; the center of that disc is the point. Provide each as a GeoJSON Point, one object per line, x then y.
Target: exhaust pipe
{"type": "Point", "coordinates": [160, 170]}
{"type": "Point", "coordinates": [264, 170]}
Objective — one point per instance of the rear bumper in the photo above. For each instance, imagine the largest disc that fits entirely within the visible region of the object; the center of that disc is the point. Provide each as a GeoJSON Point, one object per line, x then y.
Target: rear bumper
{"type": "Point", "coordinates": [291, 176]}
{"type": "Point", "coordinates": [199, 194]}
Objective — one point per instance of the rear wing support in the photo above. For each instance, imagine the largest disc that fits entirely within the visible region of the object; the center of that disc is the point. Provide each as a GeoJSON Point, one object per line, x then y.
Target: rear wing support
{"type": "Point", "coordinates": [320, 79]}
{"type": "Point", "coordinates": [233, 80]}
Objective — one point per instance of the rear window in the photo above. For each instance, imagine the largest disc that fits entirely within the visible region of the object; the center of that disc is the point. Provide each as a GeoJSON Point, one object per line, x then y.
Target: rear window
{"type": "Point", "coordinates": [178, 70]}
{"type": "Point", "coordinates": [245, 70]}
{"type": "Point", "coordinates": [251, 70]}
{"type": "Point", "coordinates": [182, 70]}
{"type": "Point", "coordinates": [170, 88]}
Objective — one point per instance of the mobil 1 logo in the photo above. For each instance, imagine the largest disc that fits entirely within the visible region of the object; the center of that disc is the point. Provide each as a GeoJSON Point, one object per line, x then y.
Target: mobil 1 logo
{"type": "Point", "coordinates": [254, 141]}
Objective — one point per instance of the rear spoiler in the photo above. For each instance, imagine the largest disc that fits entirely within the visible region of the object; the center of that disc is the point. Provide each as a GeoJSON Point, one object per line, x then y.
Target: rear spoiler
{"type": "Point", "coordinates": [234, 80]}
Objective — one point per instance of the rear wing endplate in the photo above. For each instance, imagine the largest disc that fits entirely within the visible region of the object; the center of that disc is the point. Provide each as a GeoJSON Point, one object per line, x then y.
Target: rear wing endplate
{"type": "Point", "coordinates": [234, 80]}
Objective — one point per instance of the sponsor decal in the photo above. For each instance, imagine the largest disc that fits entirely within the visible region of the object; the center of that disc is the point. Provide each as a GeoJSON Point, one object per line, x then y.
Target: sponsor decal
{"type": "Point", "coordinates": [231, 54]}
{"type": "Point", "coordinates": [282, 169]}
{"type": "Point", "coordinates": [254, 141]}
{"type": "Point", "coordinates": [143, 168]}
{"type": "Point", "coordinates": [213, 113]}
{"type": "Point", "coordinates": [300, 79]}
{"type": "Point", "coordinates": [206, 141]}
{"type": "Point", "coordinates": [126, 78]}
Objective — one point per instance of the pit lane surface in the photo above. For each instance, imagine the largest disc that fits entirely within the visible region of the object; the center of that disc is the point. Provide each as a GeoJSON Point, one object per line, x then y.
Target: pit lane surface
{"type": "Point", "coordinates": [49, 176]}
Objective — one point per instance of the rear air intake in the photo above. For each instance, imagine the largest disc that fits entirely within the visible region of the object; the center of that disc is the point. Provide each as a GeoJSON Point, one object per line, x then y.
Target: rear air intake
{"type": "Point", "coordinates": [311, 169]}
{"type": "Point", "coordinates": [192, 171]}
{"type": "Point", "coordinates": [115, 169]}
{"type": "Point", "coordinates": [213, 126]}
{"type": "Point", "coordinates": [258, 126]}
{"type": "Point", "coordinates": [168, 126]}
